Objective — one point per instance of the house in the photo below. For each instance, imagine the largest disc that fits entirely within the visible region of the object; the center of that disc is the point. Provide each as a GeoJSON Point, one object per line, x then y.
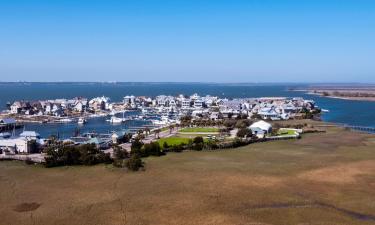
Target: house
{"type": "Point", "coordinates": [15, 145]}
{"type": "Point", "coordinates": [198, 103]}
{"type": "Point", "coordinates": [269, 114]}
{"type": "Point", "coordinates": [80, 105]}
{"type": "Point", "coordinates": [194, 97]}
{"type": "Point", "coordinates": [261, 128]}
{"type": "Point", "coordinates": [99, 103]}
{"type": "Point", "coordinates": [185, 103]}
{"type": "Point", "coordinates": [15, 108]}
{"type": "Point", "coordinates": [21, 144]}
{"type": "Point", "coordinates": [162, 100]}
{"type": "Point", "coordinates": [215, 115]}
{"type": "Point", "coordinates": [129, 100]}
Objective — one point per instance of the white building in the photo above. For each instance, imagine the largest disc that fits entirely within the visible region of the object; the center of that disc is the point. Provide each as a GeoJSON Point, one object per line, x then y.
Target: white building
{"type": "Point", "coordinates": [261, 126]}
{"type": "Point", "coordinates": [19, 145]}
{"type": "Point", "coordinates": [185, 103]}
{"type": "Point", "coordinates": [198, 103]}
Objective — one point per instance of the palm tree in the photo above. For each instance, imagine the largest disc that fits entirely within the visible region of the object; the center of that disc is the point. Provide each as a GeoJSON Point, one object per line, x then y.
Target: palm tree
{"type": "Point", "coordinates": [157, 132]}
{"type": "Point", "coordinates": [147, 130]}
{"type": "Point", "coordinates": [171, 127]}
{"type": "Point", "coordinates": [140, 134]}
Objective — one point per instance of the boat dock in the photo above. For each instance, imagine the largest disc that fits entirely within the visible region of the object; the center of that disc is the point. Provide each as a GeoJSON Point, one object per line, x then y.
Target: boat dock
{"type": "Point", "coordinates": [361, 128]}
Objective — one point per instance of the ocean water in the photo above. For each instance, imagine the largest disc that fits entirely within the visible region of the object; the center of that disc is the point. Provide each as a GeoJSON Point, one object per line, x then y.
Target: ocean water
{"type": "Point", "coordinates": [359, 113]}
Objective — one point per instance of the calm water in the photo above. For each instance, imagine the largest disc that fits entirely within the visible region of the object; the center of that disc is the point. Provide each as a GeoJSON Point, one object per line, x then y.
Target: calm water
{"type": "Point", "coordinates": [342, 111]}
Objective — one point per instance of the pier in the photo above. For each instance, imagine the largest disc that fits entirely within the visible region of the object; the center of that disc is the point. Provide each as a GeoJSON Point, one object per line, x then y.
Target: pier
{"type": "Point", "coordinates": [361, 128]}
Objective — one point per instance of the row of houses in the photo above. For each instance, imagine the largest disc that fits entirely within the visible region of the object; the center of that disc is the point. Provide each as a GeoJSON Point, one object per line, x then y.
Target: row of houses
{"type": "Point", "coordinates": [181, 101]}
{"type": "Point", "coordinates": [59, 107]}
{"type": "Point", "coordinates": [272, 108]}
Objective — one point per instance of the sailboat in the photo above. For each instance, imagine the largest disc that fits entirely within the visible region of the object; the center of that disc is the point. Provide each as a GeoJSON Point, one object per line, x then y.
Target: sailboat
{"type": "Point", "coordinates": [117, 120]}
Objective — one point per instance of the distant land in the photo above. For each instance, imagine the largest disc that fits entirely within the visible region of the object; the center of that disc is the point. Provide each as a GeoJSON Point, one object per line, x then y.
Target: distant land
{"type": "Point", "coordinates": [346, 92]}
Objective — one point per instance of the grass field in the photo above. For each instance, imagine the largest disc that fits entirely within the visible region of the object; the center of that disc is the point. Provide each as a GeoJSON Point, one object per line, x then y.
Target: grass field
{"type": "Point", "coordinates": [321, 179]}
{"type": "Point", "coordinates": [286, 132]}
{"type": "Point", "coordinates": [173, 140]}
{"type": "Point", "coordinates": [200, 130]}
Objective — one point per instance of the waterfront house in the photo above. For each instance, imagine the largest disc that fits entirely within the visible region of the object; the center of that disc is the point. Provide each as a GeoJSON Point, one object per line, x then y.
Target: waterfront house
{"type": "Point", "coordinates": [80, 105]}
{"type": "Point", "coordinates": [129, 100]}
{"type": "Point", "coordinates": [16, 107]}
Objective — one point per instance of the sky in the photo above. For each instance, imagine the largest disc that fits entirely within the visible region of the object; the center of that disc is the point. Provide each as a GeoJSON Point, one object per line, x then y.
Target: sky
{"type": "Point", "coordinates": [188, 41]}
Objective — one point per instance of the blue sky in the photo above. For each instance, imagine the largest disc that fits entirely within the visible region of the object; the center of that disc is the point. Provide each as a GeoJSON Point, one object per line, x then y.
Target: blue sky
{"type": "Point", "coordinates": [191, 40]}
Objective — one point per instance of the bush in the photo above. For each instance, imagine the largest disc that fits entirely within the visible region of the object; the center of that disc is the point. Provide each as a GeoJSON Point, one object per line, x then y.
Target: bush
{"type": "Point", "coordinates": [198, 140]}
{"type": "Point", "coordinates": [165, 145]}
{"type": "Point", "coordinates": [120, 163]}
{"type": "Point", "coordinates": [198, 146]}
{"type": "Point", "coordinates": [67, 155]}
{"type": "Point", "coordinates": [119, 153]}
{"type": "Point", "coordinates": [151, 149]}
{"type": "Point", "coordinates": [134, 163]}
{"type": "Point", "coordinates": [136, 145]}
{"type": "Point", "coordinates": [244, 132]}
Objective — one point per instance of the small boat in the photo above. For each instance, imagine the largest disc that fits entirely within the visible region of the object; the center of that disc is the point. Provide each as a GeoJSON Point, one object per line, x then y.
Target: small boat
{"type": "Point", "coordinates": [5, 135]}
{"type": "Point", "coordinates": [82, 120]}
{"type": "Point", "coordinates": [114, 119]}
{"type": "Point", "coordinates": [325, 110]}
{"type": "Point", "coordinates": [66, 120]}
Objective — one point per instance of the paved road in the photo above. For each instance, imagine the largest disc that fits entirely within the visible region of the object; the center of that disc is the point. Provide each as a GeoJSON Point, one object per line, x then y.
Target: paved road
{"type": "Point", "coordinates": [148, 139]}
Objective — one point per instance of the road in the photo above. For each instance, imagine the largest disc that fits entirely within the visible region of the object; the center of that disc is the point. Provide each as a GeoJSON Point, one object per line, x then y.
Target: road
{"type": "Point", "coordinates": [150, 138]}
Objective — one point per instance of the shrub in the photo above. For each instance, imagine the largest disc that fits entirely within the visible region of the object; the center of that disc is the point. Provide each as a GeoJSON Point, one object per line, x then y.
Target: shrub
{"type": "Point", "coordinates": [198, 140]}
{"type": "Point", "coordinates": [244, 132]}
{"type": "Point", "coordinates": [134, 163]}
{"type": "Point", "coordinates": [119, 153]}
{"type": "Point", "coordinates": [66, 155]}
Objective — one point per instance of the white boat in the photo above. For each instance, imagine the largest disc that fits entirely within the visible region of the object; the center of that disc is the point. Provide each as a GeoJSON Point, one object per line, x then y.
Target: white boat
{"type": "Point", "coordinates": [114, 119]}
{"type": "Point", "coordinates": [82, 120]}
{"type": "Point", "coordinates": [66, 120]}
{"type": "Point", "coordinates": [159, 122]}
{"type": "Point", "coordinates": [325, 110]}
{"type": "Point", "coordinates": [5, 135]}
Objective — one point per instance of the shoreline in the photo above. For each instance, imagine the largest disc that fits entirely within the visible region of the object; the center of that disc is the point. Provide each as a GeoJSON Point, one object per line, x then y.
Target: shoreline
{"type": "Point", "coordinates": [319, 92]}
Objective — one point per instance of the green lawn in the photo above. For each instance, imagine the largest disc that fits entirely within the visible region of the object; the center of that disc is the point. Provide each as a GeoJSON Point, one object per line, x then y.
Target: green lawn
{"type": "Point", "coordinates": [200, 129]}
{"type": "Point", "coordinates": [173, 140]}
{"type": "Point", "coordinates": [286, 132]}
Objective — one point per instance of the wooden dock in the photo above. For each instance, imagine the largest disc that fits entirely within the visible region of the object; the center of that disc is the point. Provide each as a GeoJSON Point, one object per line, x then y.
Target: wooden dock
{"type": "Point", "coordinates": [361, 128]}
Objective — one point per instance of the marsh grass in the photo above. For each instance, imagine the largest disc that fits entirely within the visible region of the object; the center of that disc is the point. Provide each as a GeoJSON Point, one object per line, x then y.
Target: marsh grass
{"type": "Point", "coordinates": [325, 178]}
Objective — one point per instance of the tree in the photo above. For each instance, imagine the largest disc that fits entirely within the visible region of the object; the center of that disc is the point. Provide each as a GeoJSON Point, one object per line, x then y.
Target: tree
{"type": "Point", "coordinates": [198, 140]}
{"type": "Point", "coordinates": [157, 132]}
{"type": "Point", "coordinates": [198, 143]}
{"type": "Point", "coordinates": [136, 146]}
{"type": "Point", "coordinates": [119, 153]}
{"type": "Point", "coordinates": [244, 132]}
{"type": "Point", "coordinates": [134, 163]}
{"type": "Point", "coordinates": [147, 130]}
{"type": "Point", "coordinates": [171, 127]}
